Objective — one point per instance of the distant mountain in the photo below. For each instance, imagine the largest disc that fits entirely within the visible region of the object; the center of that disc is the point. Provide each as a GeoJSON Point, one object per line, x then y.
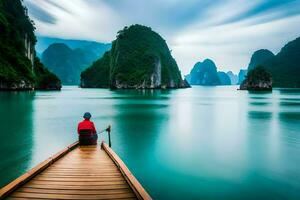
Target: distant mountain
{"type": "Point", "coordinates": [139, 58]}
{"type": "Point", "coordinates": [242, 75]}
{"type": "Point", "coordinates": [285, 66]}
{"type": "Point", "coordinates": [204, 73]}
{"type": "Point", "coordinates": [224, 78]}
{"type": "Point", "coordinates": [259, 57]}
{"type": "Point", "coordinates": [233, 78]}
{"type": "Point", "coordinates": [65, 62]}
{"type": "Point", "coordinates": [93, 50]}
{"type": "Point", "coordinates": [43, 43]}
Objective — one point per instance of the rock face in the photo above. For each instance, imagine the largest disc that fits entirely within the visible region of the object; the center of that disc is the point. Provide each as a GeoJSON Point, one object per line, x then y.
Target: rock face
{"type": "Point", "coordinates": [259, 57]}
{"type": "Point", "coordinates": [204, 73]}
{"type": "Point", "coordinates": [258, 79]}
{"type": "Point", "coordinates": [17, 54]}
{"type": "Point", "coordinates": [285, 66]}
{"type": "Point", "coordinates": [65, 62]}
{"type": "Point", "coordinates": [224, 78]}
{"type": "Point", "coordinates": [242, 75]}
{"type": "Point", "coordinates": [139, 58]}
{"type": "Point", "coordinates": [233, 78]}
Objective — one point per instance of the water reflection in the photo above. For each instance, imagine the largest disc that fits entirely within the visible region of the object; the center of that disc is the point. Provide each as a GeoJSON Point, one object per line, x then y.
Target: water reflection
{"type": "Point", "coordinates": [138, 123]}
{"type": "Point", "coordinates": [16, 134]}
{"type": "Point", "coordinates": [290, 117]}
{"type": "Point", "coordinates": [260, 115]}
{"type": "Point", "coordinates": [181, 144]}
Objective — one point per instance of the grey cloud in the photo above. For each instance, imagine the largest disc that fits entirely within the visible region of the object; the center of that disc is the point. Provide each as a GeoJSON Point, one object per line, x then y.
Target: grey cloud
{"type": "Point", "coordinates": [40, 13]}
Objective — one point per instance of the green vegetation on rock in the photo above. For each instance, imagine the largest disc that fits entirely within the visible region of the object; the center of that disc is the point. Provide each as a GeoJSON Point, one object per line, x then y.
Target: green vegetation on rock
{"type": "Point", "coordinates": [257, 79]}
{"type": "Point", "coordinates": [139, 58]}
{"type": "Point", "coordinates": [285, 66]}
{"type": "Point", "coordinates": [45, 80]}
{"type": "Point", "coordinates": [258, 57]}
{"type": "Point", "coordinates": [17, 54]}
{"type": "Point", "coordinates": [97, 76]}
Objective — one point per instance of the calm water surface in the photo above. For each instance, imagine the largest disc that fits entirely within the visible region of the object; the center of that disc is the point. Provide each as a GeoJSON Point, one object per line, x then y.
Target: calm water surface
{"type": "Point", "coordinates": [203, 142]}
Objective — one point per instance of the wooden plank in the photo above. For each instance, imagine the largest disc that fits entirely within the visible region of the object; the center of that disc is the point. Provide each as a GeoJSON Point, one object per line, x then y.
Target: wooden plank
{"type": "Point", "coordinates": [133, 182]}
{"type": "Point", "coordinates": [80, 176]}
{"type": "Point", "coordinates": [84, 173]}
{"type": "Point", "coordinates": [34, 171]}
{"type": "Point", "coordinates": [79, 179]}
{"type": "Point", "coordinates": [55, 191]}
{"type": "Point", "coordinates": [73, 196]}
{"type": "Point", "coordinates": [77, 187]}
{"type": "Point", "coordinates": [58, 183]}
{"type": "Point", "coordinates": [22, 198]}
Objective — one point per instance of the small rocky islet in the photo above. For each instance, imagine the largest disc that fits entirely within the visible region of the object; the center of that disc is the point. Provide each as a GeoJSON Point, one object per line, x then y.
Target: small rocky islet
{"type": "Point", "coordinates": [139, 59]}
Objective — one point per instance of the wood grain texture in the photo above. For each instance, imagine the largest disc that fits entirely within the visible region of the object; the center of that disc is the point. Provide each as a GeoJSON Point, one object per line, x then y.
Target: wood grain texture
{"type": "Point", "coordinates": [77, 172]}
{"type": "Point", "coordinates": [131, 180]}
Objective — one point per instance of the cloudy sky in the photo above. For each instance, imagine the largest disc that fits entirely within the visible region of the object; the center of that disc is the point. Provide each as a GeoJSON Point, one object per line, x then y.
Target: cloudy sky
{"type": "Point", "coordinates": [227, 31]}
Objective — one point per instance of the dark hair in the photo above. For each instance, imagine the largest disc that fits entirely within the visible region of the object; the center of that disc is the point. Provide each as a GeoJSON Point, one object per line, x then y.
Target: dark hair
{"type": "Point", "coordinates": [87, 115]}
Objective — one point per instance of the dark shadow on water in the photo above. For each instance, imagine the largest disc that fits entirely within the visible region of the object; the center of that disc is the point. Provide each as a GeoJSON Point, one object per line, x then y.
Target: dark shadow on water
{"type": "Point", "coordinates": [259, 97]}
{"type": "Point", "coordinates": [289, 90]}
{"type": "Point", "coordinates": [16, 139]}
{"type": "Point", "coordinates": [260, 103]}
{"type": "Point", "coordinates": [260, 92]}
{"type": "Point", "coordinates": [289, 116]}
{"type": "Point", "coordinates": [291, 103]}
{"type": "Point", "coordinates": [290, 99]}
{"type": "Point", "coordinates": [259, 115]}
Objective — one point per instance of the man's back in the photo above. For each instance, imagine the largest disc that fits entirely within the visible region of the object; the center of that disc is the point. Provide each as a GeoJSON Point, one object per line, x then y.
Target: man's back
{"type": "Point", "coordinates": [86, 125]}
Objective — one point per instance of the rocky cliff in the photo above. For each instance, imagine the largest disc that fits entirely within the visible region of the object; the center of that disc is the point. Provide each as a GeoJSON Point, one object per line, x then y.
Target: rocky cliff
{"type": "Point", "coordinates": [234, 79]}
{"type": "Point", "coordinates": [224, 78]}
{"type": "Point", "coordinates": [285, 66]}
{"type": "Point", "coordinates": [259, 57]}
{"type": "Point", "coordinates": [17, 54]}
{"type": "Point", "coordinates": [139, 58]}
{"type": "Point", "coordinates": [204, 73]}
{"type": "Point", "coordinates": [242, 75]}
{"type": "Point", "coordinates": [258, 79]}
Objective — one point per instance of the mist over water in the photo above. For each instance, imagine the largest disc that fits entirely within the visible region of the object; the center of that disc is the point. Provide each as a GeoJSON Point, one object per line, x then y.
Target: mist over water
{"type": "Point", "coordinates": [201, 142]}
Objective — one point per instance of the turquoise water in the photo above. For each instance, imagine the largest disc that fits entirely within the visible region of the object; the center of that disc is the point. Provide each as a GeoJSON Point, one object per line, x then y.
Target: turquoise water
{"type": "Point", "coordinates": [202, 142]}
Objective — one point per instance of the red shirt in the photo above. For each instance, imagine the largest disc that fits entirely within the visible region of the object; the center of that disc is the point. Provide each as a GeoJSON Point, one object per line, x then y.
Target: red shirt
{"type": "Point", "coordinates": [86, 125]}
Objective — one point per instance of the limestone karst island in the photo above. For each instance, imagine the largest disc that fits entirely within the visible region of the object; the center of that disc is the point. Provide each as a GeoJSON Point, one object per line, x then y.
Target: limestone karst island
{"type": "Point", "coordinates": [149, 99]}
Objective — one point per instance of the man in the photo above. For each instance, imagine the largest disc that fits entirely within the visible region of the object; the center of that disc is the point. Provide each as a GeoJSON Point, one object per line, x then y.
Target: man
{"type": "Point", "coordinates": [87, 131]}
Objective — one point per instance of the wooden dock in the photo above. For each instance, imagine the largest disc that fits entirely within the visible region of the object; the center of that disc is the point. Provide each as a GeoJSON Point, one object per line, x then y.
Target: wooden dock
{"type": "Point", "coordinates": [77, 172]}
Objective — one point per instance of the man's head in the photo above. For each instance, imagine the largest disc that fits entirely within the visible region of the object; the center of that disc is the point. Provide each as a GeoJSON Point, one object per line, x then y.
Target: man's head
{"type": "Point", "coordinates": [87, 115]}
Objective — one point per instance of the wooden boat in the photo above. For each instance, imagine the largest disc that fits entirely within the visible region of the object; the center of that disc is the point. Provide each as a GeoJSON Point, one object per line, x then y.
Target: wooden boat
{"type": "Point", "coordinates": [78, 172]}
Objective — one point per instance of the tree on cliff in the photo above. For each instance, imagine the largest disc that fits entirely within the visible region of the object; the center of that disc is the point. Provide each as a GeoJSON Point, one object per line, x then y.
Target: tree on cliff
{"type": "Point", "coordinates": [139, 58]}
{"type": "Point", "coordinates": [17, 40]}
{"type": "Point", "coordinates": [257, 79]}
